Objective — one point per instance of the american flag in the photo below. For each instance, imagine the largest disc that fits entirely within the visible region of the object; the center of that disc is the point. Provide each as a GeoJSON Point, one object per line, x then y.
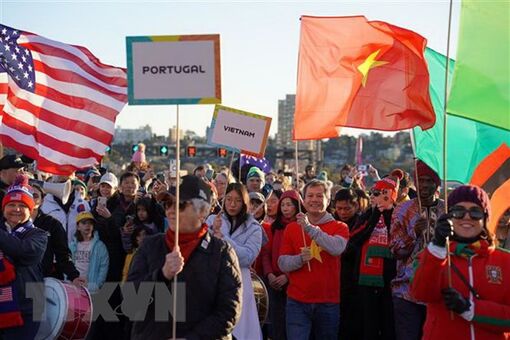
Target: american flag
{"type": "Point", "coordinates": [5, 294]}
{"type": "Point", "coordinates": [261, 163]}
{"type": "Point", "coordinates": [58, 102]}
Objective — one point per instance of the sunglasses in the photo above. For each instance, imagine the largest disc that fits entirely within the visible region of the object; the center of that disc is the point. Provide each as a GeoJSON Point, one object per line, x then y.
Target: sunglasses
{"type": "Point", "coordinates": [459, 212]}
{"type": "Point", "coordinates": [375, 193]}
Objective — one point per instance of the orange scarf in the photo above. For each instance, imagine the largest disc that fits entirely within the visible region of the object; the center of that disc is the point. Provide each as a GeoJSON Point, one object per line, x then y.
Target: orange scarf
{"type": "Point", "coordinates": [187, 242]}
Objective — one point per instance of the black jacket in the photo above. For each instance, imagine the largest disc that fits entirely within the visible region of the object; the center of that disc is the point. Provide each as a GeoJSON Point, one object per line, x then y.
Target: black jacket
{"type": "Point", "coordinates": [360, 234]}
{"type": "Point", "coordinates": [213, 289]}
{"type": "Point", "coordinates": [26, 254]}
{"type": "Point", "coordinates": [109, 232]}
{"type": "Point", "coordinates": [57, 259]}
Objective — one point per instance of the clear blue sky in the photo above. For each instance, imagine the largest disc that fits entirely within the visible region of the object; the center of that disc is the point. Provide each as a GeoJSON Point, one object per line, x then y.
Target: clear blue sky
{"type": "Point", "coordinates": [259, 41]}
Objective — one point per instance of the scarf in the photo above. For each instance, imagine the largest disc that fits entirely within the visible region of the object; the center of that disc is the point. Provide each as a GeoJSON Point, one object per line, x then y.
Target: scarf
{"type": "Point", "coordinates": [10, 314]}
{"type": "Point", "coordinates": [480, 247]}
{"type": "Point", "coordinates": [373, 253]}
{"type": "Point", "coordinates": [187, 242]}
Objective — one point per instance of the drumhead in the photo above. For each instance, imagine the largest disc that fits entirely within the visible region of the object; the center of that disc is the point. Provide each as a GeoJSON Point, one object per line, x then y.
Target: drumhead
{"type": "Point", "coordinates": [55, 309]}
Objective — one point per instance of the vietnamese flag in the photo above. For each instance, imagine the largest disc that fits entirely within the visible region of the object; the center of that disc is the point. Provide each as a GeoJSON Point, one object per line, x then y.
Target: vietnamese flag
{"type": "Point", "coordinates": [362, 74]}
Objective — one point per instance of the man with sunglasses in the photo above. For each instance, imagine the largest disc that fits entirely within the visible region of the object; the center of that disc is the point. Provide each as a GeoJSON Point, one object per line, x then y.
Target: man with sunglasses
{"type": "Point", "coordinates": [412, 227]}
{"type": "Point", "coordinates": [467, 297]}
{"type": "Point", "coordinates": [208, 266]}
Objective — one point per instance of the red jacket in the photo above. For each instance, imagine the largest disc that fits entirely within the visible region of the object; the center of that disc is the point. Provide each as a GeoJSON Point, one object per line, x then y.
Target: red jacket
{"type": "Point", "coordinates": [258, 264]}
{"type": "Point", "coordinates": [489, 274]}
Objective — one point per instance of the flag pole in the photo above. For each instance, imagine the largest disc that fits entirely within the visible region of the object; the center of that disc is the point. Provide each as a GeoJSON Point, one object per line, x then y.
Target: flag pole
{"type": "Point", "coordinates": [299, 202]}
{"type": "Point", "coordinates": [445, 129]}
{"type": "Point", "coordinates": [239, 174]}
{"type": "Point", "coordinates": [445, 118]}
{"type": "Point", "coordinates": [177, 211]}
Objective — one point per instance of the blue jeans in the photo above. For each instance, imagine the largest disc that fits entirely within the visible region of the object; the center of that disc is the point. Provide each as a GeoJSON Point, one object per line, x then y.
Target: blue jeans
{"type": "Point", "coordinates": [324, 317]}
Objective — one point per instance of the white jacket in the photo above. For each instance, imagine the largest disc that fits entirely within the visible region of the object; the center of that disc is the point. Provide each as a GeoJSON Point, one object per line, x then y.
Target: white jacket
{"type": "Point", "coordinates": [246, 239]}
{"type": "Point", "coordinates": [52, 208]}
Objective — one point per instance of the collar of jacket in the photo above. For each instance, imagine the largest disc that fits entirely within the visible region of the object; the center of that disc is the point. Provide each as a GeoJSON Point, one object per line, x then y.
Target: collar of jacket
{"type": "Point", "coordinates": [204, 244]}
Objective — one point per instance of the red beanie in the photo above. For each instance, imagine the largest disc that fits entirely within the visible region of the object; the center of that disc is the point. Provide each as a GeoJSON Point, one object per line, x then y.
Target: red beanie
{"type": "Point", "coordinates": [473, 194]}
{"type": "Point", "coordinates": [424, 170]}
{"type": "Point", "coordinates": [19, 191]}
{"type": "Point", "coordinates": [391, 182]}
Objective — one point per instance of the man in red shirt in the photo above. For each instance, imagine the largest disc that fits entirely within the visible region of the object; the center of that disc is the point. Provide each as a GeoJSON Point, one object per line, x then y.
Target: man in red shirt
{"type": "Point", "coordinates": [310, 255]}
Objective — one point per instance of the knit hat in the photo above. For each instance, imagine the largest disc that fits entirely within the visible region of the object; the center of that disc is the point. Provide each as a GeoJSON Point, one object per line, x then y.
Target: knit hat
{"type": "Point", "coordinates": [424, 170]}
{"type": "Point", "coordinates": [323, 176]}
{"type": "Point", "coordinates": [256, 172]}
{"type": "Point", "coordinates": [292, 194]}
{"type": "Point", "coordinates": [138, 156]}
{"type": "Point", "coordinates": [19, 191]}
{"type": "Point", "coordinates": [80, 183]}
{"type": "Point", "coordinates": [391, 182]}
{"type": "Point", "coordinates": [473, 194]}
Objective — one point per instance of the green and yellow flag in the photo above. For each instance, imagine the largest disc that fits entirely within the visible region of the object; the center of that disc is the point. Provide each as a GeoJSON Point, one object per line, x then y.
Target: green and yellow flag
{"type": "Point", "coordinates": [481, 79]}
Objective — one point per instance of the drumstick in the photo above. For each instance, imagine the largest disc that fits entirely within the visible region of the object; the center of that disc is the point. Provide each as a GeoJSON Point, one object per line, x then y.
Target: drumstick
{"type": "Point", "coordinates": [299, 202]}
{"type": "Point", "coordinates": [449, 268]}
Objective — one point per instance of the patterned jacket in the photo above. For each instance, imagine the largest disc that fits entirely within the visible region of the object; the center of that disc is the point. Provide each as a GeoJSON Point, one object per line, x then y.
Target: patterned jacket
{"type": "Point", "coordinates": [405, 245]}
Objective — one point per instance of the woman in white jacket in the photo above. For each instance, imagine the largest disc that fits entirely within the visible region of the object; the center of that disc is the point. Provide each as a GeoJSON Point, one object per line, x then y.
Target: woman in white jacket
{"type": "Point", "coordinates": [238, 227]}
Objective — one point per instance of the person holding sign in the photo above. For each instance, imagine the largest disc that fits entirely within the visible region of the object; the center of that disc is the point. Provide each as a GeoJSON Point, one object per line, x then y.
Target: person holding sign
{"type": "Point", "coordinates": [310, 254]}
{"type": "Point", "coordinates": [208, 267]}
{"type": "Point", "coordinates": [240, 229]}
{"type": "Point", "coordinates": [469, 298]}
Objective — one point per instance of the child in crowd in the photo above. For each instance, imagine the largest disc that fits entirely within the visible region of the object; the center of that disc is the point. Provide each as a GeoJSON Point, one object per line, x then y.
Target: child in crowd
{"type": "Point", "coordinates": [89, 254]}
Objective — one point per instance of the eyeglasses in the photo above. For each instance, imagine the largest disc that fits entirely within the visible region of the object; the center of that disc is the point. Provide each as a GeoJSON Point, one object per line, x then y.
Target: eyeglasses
{"type": "Point", "coordinates": [459, 212]}
{"type": "Point", "coordinates": [375, 193]}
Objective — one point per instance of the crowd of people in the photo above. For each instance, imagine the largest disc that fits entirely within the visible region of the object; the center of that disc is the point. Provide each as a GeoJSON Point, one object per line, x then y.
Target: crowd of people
{"type": "Point", "coordinates": [366, 258]}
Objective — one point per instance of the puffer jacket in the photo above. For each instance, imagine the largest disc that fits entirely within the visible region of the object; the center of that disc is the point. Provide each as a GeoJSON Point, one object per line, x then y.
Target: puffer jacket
{"type": "Point", "coordinates": [68, 219]}
{"type": "Point", "coordinates": [246, 239]}
{"type": "Point", "coordinates": [25, 250]}
{"type": "Point", "coordinates": [212, 278]}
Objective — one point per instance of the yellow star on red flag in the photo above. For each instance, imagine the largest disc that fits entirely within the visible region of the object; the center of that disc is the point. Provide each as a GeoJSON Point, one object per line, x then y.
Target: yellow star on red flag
{"type": "Point", "coordinates": [316, 251]}
{"type": "Point", "coordinates": [369, 64]}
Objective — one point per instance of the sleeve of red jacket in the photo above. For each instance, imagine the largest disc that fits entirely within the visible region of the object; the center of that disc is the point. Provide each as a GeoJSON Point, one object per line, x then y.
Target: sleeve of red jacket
{"type": "Point", "coordinates": [492, 315]}
{"type": "Point", "coordinates": [265, 254]}
{"type": "Point", "coordinates": [428, 278]}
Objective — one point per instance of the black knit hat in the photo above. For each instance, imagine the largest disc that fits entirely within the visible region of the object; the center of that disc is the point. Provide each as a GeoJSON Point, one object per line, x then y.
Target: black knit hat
{"type": "Point", "coordinates": [473, 194]}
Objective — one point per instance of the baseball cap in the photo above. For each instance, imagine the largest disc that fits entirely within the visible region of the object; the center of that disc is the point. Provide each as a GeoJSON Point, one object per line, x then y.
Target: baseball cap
{"type": "Point", "coordinates": [110, 179]}
{"type": "Point", "coordinates": [84, 215]}
{"type": "Point", "coordinates": [11, 162]}
{"type": "Point", "coordinates": [194, 187]}
{"type": "Point", "coordinates": [254, 195]}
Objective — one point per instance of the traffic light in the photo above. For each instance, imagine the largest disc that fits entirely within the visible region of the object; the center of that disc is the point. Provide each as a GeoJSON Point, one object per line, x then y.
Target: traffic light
{"type": "Point", "coordinates": [163, 150]}
{"type": "Point", "coordinates": [222, 153]}
{"type": "Point", "coordinates": [134, 148]}
{"type": "Point", "coordinates": [108, 150]}
{"type": "Point", "coordinates": [191, 151]}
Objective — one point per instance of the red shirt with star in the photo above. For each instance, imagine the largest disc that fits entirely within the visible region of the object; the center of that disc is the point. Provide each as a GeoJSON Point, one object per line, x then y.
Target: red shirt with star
{"type": "Point", "coordinates": [322, 283]}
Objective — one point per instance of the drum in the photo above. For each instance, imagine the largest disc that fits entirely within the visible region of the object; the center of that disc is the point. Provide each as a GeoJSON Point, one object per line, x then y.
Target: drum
{"type": "Point", "coordinates": [261, 297]}
{"type": "Point", "coordinates": [68, 311]}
